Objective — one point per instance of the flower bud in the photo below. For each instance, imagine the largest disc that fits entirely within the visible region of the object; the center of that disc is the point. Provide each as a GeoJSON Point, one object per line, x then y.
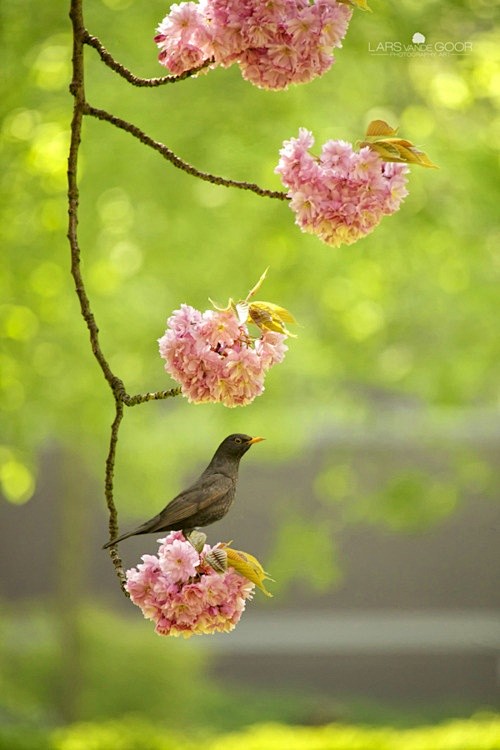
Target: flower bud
{"type": "Point", "coordinates": [217, 559]}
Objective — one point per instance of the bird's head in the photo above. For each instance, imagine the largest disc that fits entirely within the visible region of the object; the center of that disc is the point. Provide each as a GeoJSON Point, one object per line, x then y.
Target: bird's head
{"type": "Point", "coordinates": [237, 445]}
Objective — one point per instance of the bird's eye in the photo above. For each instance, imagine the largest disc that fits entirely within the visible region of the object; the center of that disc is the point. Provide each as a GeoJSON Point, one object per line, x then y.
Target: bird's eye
{"type": "Point", "coordinates": [238, 440]}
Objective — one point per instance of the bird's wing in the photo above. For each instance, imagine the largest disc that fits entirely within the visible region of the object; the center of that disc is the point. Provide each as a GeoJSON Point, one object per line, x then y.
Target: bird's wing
{"type": "Point", "coordinates": [205, 491]}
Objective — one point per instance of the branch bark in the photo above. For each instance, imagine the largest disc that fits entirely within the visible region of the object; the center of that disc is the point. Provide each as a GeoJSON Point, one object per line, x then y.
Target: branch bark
{"type": "Point", "coordinates": [124, 72]}
{"type": "Point", "coordinates": [169, 155]}
{"type": "Point", "coordinates": [109, 493]}
{"type": "Point", "coordinates": [77, 89]}
{"type": "Point", "coordinates": [142, 398]}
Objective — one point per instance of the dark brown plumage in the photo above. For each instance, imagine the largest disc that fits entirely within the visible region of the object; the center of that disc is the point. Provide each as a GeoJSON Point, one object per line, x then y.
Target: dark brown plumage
{"type": "Point", "coordinates": [206, 500]}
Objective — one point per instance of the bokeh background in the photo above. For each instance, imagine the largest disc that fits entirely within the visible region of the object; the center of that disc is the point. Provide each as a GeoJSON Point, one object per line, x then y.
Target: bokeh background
{"type": "Point", "coordinates": [373, 501]}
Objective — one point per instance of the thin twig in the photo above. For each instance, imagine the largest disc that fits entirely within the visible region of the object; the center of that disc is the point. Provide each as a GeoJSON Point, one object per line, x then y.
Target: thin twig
{"type": "Point", "coordinates": [124, 72]}
{"type": "Point", "coordinates": [142, 398]}
{"type": "Point", "coordinates": [109, 493]}
{"type": "Point", "coordinates": [169, 155]}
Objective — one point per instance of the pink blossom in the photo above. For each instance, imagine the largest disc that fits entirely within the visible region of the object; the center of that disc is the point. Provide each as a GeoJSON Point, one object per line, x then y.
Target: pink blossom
{"type": "Point", "coordinates": [270, 348]}
{"type": "Point", "coordinates": [178, 560]}
{"type": "Point", "coordinates": [274, 43]}
{"type": "Point", "coordinates": [187, 58]}
{"type": "Point", "coordinates": [215, 359]}
{"type": "Point", "coordinates": [141, 583]}
{"type": "Point", "coordinates": [202, 602]}
{"type": "Point", "coordinates": [184, 20]}
{"type": "Point", "coordinates": [343, 194]}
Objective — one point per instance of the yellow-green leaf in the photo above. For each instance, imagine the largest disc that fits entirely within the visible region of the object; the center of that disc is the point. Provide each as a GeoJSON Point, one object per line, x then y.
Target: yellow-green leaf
{"type": "Point", "coordinates": [271, 317]}
{"type": "Point", "coordinates": [265, 315]}
{"type": "Point", "coordinates": [387, 151]}
{"type": "Point", "coordinates": [380, 137]}
{"type": "Point", "coordinates": [378, 128]}
{"type": "Point", "coordinates": [217, 307]}
{"type": "Point", "coordinates": [257, 286]}
{"type": "Point", "coordinates": [361, 4]}
{"type": "Point", "coordinates": [249, 567]}
{"type": "Point", "coordinates": [275, 310]}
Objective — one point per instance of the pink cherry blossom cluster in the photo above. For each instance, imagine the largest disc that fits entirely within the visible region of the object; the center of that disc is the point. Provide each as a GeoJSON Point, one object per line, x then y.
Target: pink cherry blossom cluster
{"type": "Point", "coordinates": [182, 594]}
{"type": "Point", "coordinates": [274, 43]}
{"type": "Point", "coordinates": [342, 195]}
{"type": "Point", "coordinates": [213, 357]}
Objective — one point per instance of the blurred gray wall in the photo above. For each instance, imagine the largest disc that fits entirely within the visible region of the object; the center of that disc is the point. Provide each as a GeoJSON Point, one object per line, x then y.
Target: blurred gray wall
{"type": "Point", "coordinates": [416, 614]}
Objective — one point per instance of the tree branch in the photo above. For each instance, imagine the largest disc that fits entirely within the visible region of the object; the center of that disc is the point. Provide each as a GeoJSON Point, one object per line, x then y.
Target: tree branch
{"type": "Point", "coordinates": [81, 37]}
{"type": "Point", "coordinates": [156, 396]}
{"type": "Point", "coordinates": [169, 155]}
{"type": "Point", "coordinates": [77, 89]}
{"type": "Point", "coordinates": [124, 72]}
{"type": "Point", "coordinates": [109, 494]}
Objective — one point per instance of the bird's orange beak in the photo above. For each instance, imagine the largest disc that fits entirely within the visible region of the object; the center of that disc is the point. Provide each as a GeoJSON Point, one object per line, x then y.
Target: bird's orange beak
{"type": "Point", "coordinates": [255, 440]}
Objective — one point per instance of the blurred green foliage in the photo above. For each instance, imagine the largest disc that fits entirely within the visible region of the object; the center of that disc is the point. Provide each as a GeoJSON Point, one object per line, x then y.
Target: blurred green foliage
{"type": "Point", "coordinates": [408, 313]}
{"type": "Point", "coordinates": [124, 669]}
{"type": "Point", "coordinates": [481, 732]}
{"type": "Point", "coordinates": [118, 675]}
{"type": "Point", "coordinates": [410, 309]}
{"type": "Point", "coordinates": [405, 489]}
{"type": "Point", "coordinates": [303, 551]}
{"type": "Point", "coordinates": [130, 677]}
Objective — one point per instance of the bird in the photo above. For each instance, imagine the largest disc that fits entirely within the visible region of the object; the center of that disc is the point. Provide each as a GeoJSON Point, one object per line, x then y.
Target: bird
{"type": "Point", "coordinates": [207, 500]}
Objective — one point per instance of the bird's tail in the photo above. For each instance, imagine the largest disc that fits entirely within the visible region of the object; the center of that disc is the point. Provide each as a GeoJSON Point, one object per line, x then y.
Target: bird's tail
{"type": "Point", "coordinates": [154, 524]}
{"type": "Point", "coordinates": [120, 538]}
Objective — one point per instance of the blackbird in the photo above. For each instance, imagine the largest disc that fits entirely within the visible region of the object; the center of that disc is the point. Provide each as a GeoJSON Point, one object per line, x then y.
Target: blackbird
{"type": "Point", "coordinates": [206, 500]}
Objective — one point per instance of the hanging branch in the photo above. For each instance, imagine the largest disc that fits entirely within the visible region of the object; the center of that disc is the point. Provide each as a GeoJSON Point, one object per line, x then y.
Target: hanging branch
{"type": "Point", "coordinates": [77, 89]}
{"type": "Point", "coordinates": [81, 37]}
{"type": "Point", "coordinates": [169, 155]}
{"type": "Point", "coordinates": [124, 72]}
{"type": "Point", "coordinates": [109, 493]}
